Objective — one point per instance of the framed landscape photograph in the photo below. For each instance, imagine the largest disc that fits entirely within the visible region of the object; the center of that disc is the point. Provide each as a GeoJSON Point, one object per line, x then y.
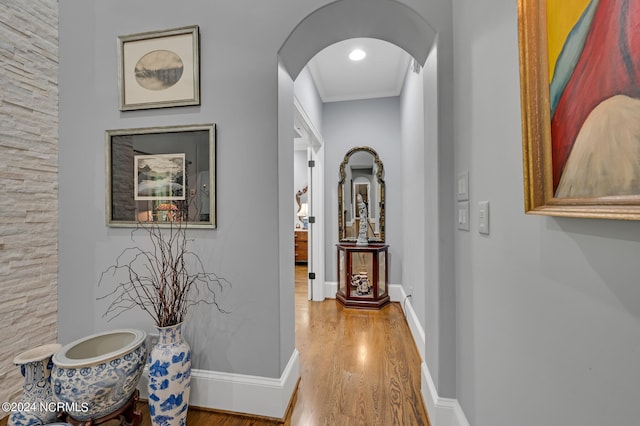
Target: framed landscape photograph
{"type": "Point", "coordinates": [161, 174]}
{"type": "Point", "coordinates": [580, 94]}
{"type": "Point", "coordinates": [159, 69]}
{"type": "Point", "coordinates": [159, 177]}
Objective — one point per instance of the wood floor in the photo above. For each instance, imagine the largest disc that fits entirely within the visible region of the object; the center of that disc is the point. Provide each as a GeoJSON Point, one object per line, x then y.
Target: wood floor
{"type": "Point", "coordinates": [357, 367]}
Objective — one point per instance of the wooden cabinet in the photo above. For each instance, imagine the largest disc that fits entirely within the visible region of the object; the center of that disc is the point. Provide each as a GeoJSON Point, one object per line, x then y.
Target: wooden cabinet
{"type": "Point", "coordinates": [300, 245]}
{"type": "Point", "coordinates": [363, 277]}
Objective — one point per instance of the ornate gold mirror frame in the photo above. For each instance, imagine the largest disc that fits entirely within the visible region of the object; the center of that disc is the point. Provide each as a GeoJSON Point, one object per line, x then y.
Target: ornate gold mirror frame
{"type": "Point", "coordinates": [377, 234]}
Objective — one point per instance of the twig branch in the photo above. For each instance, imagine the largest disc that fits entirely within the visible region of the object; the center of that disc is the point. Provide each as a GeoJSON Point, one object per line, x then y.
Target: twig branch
{"type": "Point", "coordinates": [164, 281]}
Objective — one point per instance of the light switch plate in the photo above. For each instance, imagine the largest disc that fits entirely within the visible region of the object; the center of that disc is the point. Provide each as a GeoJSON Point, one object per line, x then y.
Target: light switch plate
{"type": "Point", "coordinates": [463, 216]}
{"type": "Point", "coordinates": [463, 186]}
{"type": "Point", "coordinates": [483, 217]}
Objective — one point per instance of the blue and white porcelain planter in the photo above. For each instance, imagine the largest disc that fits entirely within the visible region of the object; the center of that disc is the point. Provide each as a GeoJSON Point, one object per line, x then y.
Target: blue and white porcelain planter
{"type": "Point", "coordinates": [96, 375]}
{"type": "Point", "coordinates": [169, 378]}
{"type": "Point", "coordinates": [37, 405]}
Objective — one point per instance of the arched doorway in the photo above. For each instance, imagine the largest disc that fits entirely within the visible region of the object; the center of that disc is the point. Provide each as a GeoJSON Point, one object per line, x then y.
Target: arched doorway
{"type": "Point", "coordinates": [399, 24]}
{"type": "Point", "coordinates": [344, 19]}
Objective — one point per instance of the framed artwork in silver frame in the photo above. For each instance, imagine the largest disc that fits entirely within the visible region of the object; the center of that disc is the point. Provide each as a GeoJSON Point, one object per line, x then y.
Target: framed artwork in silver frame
{"type": "Point", "coordinates": [159, 69]}
{"type": "Point", "coordinates": [161, 174]}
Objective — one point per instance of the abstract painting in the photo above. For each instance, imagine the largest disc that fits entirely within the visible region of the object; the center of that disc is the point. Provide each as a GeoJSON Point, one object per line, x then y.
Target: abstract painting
{"type": "Point", "coordinates": [580, 77]}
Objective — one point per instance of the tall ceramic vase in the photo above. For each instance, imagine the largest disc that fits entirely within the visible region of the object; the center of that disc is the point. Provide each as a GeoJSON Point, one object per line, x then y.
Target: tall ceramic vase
{"type": "Point", "coordinates": [169, 378]}
{"type": "Point", "coordinates": [37, 405]}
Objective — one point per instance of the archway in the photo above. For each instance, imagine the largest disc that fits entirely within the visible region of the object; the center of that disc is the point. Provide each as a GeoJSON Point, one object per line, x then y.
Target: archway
{"type": "Point", "coordinates": [399, 24]}
{"type": "Point", "coordinates": [344, 19]}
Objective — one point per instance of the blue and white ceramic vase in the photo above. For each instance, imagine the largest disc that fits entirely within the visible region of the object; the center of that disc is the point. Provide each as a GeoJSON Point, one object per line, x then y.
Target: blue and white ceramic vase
{"type": "Point", "coordinates": [169, 378]}
{"type": "Point", "coordinates": [37, 405]}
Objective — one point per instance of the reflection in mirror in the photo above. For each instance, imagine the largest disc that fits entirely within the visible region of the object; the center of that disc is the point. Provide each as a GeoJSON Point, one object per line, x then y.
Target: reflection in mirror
{"type": "Point", "coordinates": [361, 173]}
{"type": "Point", "coordinates": [160, 175]}
{"type": "Point", "coordinates": [303, 205]}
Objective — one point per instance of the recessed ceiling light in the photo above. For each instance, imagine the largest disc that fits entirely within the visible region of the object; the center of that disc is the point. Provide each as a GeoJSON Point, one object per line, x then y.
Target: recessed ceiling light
{"type": "Point", "coordinates": [357, 55]}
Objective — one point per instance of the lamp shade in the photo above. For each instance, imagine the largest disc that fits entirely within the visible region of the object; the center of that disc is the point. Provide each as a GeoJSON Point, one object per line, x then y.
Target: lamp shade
{"type": "Point", "coordinates": [304, 210]}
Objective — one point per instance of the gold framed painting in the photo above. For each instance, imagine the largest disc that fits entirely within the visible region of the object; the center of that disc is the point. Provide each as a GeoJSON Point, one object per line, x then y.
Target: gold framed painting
{"type": "Point", "coordinates": [159, 69]}
{"type": "Point", "coordinates": [580, 94]}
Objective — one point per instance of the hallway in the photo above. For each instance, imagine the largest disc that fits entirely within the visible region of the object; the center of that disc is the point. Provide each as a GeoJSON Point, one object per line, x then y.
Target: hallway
{"type": "Point", "coordinates": [357, 367]}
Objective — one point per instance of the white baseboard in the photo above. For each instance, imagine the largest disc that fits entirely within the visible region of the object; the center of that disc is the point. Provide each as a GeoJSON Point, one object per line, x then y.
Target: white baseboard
{"type": "Point", "coordinates": [442, 411]}
{"type": "Point", "coordinates": [239, 393]}
{"type": "Point", "coordinates": [330, 289]}
{"type": "Point", "coordinates": [395, 291]}
{"type": "Point", "coordinates": [412, 319]}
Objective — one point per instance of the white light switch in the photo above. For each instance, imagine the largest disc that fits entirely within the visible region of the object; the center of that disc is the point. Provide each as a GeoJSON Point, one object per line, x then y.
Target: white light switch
{"type": "Point", "coordinates": [483, 216]}
{"type": "Point", "coordinates": [463, 216]}
{"type": "Point", "coordinates": [463, 186]}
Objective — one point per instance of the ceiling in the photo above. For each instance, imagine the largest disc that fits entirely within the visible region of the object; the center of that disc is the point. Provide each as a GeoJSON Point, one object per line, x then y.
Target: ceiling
{"type": "Point", "coordinates": [380, 74]}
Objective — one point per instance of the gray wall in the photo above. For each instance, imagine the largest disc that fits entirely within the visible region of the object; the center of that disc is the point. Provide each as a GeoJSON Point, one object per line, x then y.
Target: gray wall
{"type": "Point", "coordinates": [548, 309]}
{"type": "Point", "coordinates": [306, 92]}
{"type": "Point", "coordinates": [374, 123]}
{"type": "Point", "coordinates": [546, 312]}
{"type": "Point", "coordinates": [246, 95]}
{"type": "Point", "coordinates": [239, 88]}
{"type": "Point", "coordinates": [249, 98]}
{"type": "Point", "coordinates": [414, 198]}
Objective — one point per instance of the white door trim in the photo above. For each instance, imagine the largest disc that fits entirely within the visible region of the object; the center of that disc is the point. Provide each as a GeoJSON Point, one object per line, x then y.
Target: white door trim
{"type": "Point", "coordinates": [315, 152]}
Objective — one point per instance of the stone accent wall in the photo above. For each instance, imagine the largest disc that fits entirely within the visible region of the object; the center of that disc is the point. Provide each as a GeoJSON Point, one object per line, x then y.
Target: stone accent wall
{"type": "Point", "coordinates": [28, 183]}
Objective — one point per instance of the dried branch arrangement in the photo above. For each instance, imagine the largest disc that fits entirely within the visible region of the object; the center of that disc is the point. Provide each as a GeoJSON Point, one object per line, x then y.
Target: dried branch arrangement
{"type": "Point", "coordinates": [165, 280]}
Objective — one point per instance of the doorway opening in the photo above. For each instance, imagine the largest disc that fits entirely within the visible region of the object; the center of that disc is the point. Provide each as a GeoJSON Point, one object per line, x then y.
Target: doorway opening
{"type": "Point", "coordinates": [310, 222]}
{"type": "Point", "coordinates": [402, 26]}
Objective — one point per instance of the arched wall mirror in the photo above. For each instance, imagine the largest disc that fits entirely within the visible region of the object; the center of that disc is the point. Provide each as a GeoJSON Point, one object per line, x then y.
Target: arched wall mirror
{"type": "Point", "coordinates": [361, 173]}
